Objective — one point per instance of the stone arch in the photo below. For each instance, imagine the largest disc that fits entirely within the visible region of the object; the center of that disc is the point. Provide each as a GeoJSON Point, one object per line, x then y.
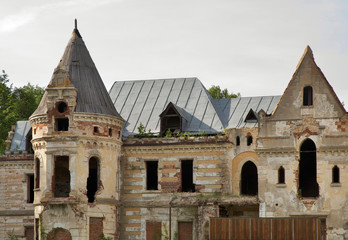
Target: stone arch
{"type": "Point", "coordinates": [307, 184]}
{"type": "Point", "coordinates": [59, 234]}
{"type": "Point", "coordinates": [237, 164]}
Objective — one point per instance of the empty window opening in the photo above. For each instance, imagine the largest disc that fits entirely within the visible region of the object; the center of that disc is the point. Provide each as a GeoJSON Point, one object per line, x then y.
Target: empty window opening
{"type": "Point", "coordinates": [170, 120]}
{"type": "Point", "coordinates": [308, 186]}
{"type": "Point", "coordinates": [110, 132]}
{"type": "Point", "coordinates": [62, 124]}
{"type": "Point", "coordinates": [61, 177]}
{"type": "Point", "coordinates": [307, 96]}
{"type": "Point", "coordinates": [335, 174]}
{"type": "Point", "coordinates": [249, 140]}
{"type": "Point", "coordinates": [29, 232]}
{"type": "Point", "coordinates": [37, 173]}
{"type": "Point", "coordinates": [281, 175]}
{"type": "Point", "coordinates": [62, 107]}
{"type": "Point", "coordinates": [237, 140]}
{"type": "Point", "coordinates": [95, 129]}
{"type": "Point", "coordinates": [93, 179]}
{"type": "Point", "coordinates": [187, 176]}
{"type": "Point", "coordinates": [30, 188]}
{"type": "Point", "coordinates": [249, 179]}
{"type": "Point", "coordinates": [151, 175]}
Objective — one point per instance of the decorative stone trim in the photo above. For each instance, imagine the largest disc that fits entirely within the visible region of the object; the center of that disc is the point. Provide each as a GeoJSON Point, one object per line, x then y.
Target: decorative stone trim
{"type": "Point", "coordinates": [43, 118]}
{"type": "Point", "coordinates": [276, 152]}
{"type": "Point", "coordinates": [102, 118]}
{"type": "Point", "coordinates": [11, 164]}
{"type": "Point", "coordinates": [177, 148]}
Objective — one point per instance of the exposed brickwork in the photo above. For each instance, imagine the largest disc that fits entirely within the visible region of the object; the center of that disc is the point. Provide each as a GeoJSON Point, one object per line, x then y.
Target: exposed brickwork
{"type": "Point", "coordinates": [59, 234]}
{"type": "Point", "coordinates": [185, 231]}
{"type": "Point", "coordinates": [95, 228]}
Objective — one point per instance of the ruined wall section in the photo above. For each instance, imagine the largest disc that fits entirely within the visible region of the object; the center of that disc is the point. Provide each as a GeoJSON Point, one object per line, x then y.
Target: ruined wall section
{"type": "Point", "coordinates": [140, 205]}
{"type": "Point", "coordinates": [16, 213]}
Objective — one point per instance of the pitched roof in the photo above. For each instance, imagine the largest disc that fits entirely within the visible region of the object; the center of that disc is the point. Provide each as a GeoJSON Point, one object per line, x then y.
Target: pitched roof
{"type": "Point", "coordinates": [92, 96]}
{"type": "Point", "coordinates": [143, 101]}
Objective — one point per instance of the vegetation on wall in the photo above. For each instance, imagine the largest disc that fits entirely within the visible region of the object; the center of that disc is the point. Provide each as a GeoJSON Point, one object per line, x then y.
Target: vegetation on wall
{"type": "Point", "coordinates": [15, 104]}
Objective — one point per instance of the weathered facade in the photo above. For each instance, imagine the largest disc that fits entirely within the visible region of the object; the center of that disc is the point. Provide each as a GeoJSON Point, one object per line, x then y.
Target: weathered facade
{"type": "Point", "coordinates": [159, 158]}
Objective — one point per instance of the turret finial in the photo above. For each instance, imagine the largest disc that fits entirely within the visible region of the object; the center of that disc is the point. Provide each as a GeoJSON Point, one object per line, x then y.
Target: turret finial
{"type": "Point", "coordinates": [75, 23]}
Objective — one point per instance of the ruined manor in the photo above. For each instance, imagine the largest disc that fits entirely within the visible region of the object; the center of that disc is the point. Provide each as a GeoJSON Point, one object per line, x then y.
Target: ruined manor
{"type": "Point", "coordinates": [162, 159]}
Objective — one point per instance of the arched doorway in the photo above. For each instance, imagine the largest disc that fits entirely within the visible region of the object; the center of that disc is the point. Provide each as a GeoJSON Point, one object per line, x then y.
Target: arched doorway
{"type": "Point", "coordinates": [308, 186]}
{"type": "Point", "coordinates": [249, 184]}
{"type": "Point", "coordinates": [59, 233]}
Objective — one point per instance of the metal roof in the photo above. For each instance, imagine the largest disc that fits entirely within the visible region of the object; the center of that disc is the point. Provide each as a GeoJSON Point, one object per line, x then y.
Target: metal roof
{"type": "Point", "coordinates": [92, 96]}
{"type": "Point", "coordinates": [19, 138]}
{"type": "Point", "coordinates": [143, 101]}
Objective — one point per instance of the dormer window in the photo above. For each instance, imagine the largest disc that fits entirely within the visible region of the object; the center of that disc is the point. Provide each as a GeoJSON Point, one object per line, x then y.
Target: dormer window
{"type": "Point", "coordinates": [251, 117]}
{"type": "Point", "coordinates": [307, 96]}
{"type": "Point", "coordinates": [171, 120]}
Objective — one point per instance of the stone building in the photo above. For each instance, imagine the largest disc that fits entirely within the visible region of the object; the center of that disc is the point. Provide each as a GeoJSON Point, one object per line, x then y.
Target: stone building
{"type": "Point", "coordinates": [160, 158]}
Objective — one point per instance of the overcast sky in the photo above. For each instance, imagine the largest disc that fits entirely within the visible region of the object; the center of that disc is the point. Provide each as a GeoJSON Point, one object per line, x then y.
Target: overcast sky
{"type": "Point", "coordinates": [247, 46]}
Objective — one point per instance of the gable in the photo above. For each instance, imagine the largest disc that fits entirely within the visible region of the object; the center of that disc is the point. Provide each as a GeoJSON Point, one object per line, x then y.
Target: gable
{"type": "Point", "coordinates": [296, 100]}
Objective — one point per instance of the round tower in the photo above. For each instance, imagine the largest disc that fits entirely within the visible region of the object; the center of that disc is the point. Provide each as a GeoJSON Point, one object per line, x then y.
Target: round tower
{"type": "Point", "coordinates": [77, 141]}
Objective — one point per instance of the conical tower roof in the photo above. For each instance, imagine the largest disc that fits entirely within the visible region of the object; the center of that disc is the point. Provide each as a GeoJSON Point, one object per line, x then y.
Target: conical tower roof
{"type": "Point", "coordinates": [92, 96]}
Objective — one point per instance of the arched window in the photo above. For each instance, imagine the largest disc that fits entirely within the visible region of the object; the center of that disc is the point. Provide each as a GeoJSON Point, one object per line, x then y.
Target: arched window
{"type": "Point", "coordinates": [281, 175]}
{"type": "Point", "coordinates": [37, 173]}
{"type": "Point", "coordinates": [307, 96]}
{"type": "Point", "coordinates": [335, 174]}
{"type": "Point", "coordinates": [249, 140]}
{"type": "Point", "coordinates": [308, 186]}
{"type": "Point", "coordinates": [93, 178]}
{"type": "Point", "coordinates": [237, 140]}
{"type": "Point", "coordinates": [249, 185]}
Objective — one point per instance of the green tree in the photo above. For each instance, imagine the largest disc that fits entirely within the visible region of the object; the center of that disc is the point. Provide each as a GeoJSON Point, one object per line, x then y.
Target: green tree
{"type": "Point", "coordinates": [15, 104]}
{"type": "Point", "coordinates": [216, 92]}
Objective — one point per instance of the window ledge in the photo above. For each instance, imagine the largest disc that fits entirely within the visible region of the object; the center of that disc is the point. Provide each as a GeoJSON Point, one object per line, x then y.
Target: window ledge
{"type": "Point", "coordinates": [36, 189]}
{"type": "Point", "coordinates": [335, 185]}
{"type": "Point", "coordinates": [281, 185]}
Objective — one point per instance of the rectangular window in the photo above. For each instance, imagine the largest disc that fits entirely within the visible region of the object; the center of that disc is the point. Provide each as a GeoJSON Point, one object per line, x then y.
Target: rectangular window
{"type": "Point", "coordinates": [30, 188]}
{"type": "Point", "coordinates": [62, 124]}
{"type": "Point", "coordinates": [187, 176]}
{"type": "Point", "coordinates": [185, 230]}
{"type": "Point", "coordinates": [95, 228]}
{"type": "Point", "coordinates": [61, 178]}
{"type": "Point", "coordinates": [29, 233]}
{"type": "Point", "coordinates": [153, 230]}
{"type": "Point", "coordinates": [151, 175]}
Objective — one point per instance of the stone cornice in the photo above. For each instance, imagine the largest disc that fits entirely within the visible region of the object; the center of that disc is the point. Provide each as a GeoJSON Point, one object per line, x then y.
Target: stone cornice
{"type": "Point", "coordinates": [176, 147]}
{"type": "Point", "coordinates": [42, 118]}
{"type": "Point", "coordinates": [276, 151]}
{"type": "Point", "coordinates": [92, 117]}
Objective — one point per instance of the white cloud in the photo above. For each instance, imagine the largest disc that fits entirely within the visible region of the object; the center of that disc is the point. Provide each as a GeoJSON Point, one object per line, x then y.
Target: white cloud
{"type": "Point", "coordinates": [12, 22]}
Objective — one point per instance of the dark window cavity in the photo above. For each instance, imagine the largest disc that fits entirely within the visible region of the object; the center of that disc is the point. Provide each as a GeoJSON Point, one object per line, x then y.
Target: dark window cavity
{"type": "Point", "coordinates": [151, 175]}
{"type": "Point", "coordinates": [61, 177]}
{"type": "Point", "coordinates": [335, 174]}
{"type": "Point", "coordinates": [62, 124]}
{"type": "Point", "coordinates": [187, 176]}
{"type": "Point", "coordinates": [110, 132]}
{"type": "Point", "coordinates": [30, 188]}
{"type": "Point", "coordinates": [281, 175]}
{"type": "Point", "coordinates": [237, 140]}
{"type": "Point", "coordinates": [95, 129]}
{"type": "Point", "coordinates": [37, 173]}
{"type": "Point", "coordinates": [93, 179]}
{"type": "Point", "coordinates": [308, 186]}
{"type": "Point", "coordinates": [249, 183]}
{"type": "Point", "coordinates": [249, 140]}
{"type": "Point", "coordinates": [170, 120]}
{"type": "Point", "coordinates": [307, 96]}
{"type": "Point", "coordinates": [62, 107]}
